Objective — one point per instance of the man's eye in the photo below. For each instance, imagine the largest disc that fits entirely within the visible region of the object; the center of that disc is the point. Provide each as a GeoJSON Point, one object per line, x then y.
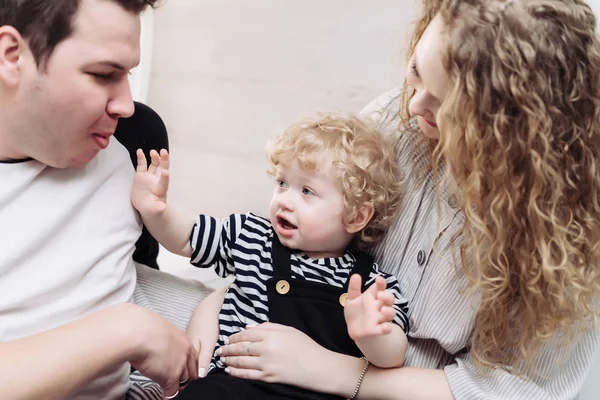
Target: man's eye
{"type": "Point", "coordinates": [102, 76]}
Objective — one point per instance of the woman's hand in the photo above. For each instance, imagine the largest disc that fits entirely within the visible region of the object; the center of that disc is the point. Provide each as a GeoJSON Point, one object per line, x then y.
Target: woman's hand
{"type": "Point", "coordinates": [276, 353]}
{"type": "Point", "coordinates": [203, 328]}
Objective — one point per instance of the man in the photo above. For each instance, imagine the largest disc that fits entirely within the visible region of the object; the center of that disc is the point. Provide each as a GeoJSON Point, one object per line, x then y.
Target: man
{"type": "Point", "coordinates": [67, 278]}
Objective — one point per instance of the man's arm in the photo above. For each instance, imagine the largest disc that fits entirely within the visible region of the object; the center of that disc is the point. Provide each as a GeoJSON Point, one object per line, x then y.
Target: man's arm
{"type": "Point", "coordinates": [56, 363]}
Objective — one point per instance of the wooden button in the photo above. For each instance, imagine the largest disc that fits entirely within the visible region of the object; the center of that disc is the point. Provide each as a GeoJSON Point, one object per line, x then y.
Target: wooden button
{"type": "Point", "coordinates": [343, 299]}
{"type": "Point", "coordinates": [282, 287]}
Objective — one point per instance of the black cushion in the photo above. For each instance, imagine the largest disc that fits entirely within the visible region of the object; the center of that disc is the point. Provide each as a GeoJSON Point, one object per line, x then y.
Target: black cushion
{"type": "Point", "coordinates": [143, 130]}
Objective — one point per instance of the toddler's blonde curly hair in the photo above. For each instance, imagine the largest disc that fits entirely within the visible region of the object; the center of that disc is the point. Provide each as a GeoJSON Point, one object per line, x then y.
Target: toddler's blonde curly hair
{"type": "Point", "coordinates": [365, 159]}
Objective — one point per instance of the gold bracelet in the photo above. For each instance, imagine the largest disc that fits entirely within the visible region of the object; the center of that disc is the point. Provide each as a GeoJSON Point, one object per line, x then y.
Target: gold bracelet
{"type": "Point", "coordinates": [360, 379]}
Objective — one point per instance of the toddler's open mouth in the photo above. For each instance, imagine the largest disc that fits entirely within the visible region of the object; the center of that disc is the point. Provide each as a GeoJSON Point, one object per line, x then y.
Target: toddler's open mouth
{"type": "Point", "coordinates": [285, 224]}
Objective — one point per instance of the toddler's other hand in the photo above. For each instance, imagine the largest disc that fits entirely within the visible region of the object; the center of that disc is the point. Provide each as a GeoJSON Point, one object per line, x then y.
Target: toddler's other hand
{"type": "Point", "coordinates": [368, 314]}
{"type": "Point", "coordinates": [150, 185]}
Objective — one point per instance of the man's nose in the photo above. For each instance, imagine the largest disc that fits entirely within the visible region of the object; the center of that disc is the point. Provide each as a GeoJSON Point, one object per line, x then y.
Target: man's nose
{"type": "Point", "coordinates": [121, 104]}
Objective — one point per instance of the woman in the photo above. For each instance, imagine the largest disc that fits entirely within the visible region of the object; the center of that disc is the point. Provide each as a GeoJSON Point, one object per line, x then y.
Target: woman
{"type": "Point", "coordinates": [498, 243]}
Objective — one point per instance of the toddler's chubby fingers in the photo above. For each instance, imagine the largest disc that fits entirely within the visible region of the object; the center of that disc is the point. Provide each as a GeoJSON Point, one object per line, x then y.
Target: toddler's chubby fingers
{"type": "Point", "coordinates": [354, 287]}
{"type": "Point", "coordinates": [142, 165]}
{"type": "Point", "coordinates": [386, 314]}
{"type": "Point", "coordinates": [154, 161]}
{"type": "Point", "coordinates": [165, 160]}
{"type": "Point", "coordinates": [370, 304]}
{"type": "Point", "coordinates": [163, 183]}
{"type": "Point", "coordinates": [378, 330]}
{"type": "Point", "coordinates": [380, 283]}
{"type": "Point", "coordinates": [386, 328]}
{"type": "Point", "coordinates": [386, 297]}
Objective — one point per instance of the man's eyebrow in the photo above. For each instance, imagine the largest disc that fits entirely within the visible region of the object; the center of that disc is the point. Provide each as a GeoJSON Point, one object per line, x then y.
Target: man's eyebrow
{"type": "Point", "coordinates": [113, 64]}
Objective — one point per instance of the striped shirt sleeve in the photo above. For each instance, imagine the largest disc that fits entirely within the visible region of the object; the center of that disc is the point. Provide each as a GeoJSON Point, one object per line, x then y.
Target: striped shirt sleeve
{"type": "Point", "coordinates": [212, 240]}
{"type": "Point", "coordinates": [400, 303]}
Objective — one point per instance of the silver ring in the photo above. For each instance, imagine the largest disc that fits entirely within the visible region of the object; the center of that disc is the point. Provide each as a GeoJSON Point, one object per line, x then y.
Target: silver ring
{"type": "Point", "coordinates": [183, 382]}
{"type": "Point", "coordinates": [172, 397]}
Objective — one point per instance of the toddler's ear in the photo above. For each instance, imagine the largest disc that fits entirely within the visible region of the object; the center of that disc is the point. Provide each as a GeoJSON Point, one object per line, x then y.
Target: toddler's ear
{"type": "Point", "coordinates": [362, 218]}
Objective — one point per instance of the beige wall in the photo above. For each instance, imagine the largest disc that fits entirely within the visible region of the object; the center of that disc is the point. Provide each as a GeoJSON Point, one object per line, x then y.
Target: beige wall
{"type": "Point", "coordinates": [228, 74]}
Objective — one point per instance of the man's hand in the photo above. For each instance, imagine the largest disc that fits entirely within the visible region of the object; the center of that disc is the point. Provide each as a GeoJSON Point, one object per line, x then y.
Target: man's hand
{"type": "Point", "coordinates": [163, 352]}
{"type": "Point", "coordinates": [150, 185]}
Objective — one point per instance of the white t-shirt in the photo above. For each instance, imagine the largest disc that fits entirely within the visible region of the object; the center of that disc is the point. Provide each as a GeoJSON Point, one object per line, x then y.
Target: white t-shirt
{"type": "Point", "coordinates": [66, 242]}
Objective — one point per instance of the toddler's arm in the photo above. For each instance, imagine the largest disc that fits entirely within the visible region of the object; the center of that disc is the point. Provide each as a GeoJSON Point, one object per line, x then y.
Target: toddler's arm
{"type": "Point", "coordinates": [149, 196]}
{"type": "Point", "coordinates": [368, 316]}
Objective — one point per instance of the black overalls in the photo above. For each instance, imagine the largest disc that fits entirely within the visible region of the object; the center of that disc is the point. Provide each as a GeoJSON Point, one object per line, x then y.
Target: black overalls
{"type": "Point", "coordinates": [313, 308]}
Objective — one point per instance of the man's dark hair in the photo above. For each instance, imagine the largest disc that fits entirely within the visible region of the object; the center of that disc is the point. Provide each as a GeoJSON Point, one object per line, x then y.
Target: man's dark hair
{"type": "Point", "coordinates": [44, 24]}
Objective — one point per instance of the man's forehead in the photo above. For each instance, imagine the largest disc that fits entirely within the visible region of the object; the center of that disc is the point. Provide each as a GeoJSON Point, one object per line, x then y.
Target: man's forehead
{"type": "Point", "coordinates": [109, 33]}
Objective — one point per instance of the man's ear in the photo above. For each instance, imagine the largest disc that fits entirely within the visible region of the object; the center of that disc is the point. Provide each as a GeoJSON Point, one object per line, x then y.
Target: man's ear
{"type": "Point", "coordinates": [362, 218]}
{"type": "Point", "coordinates": [12, 47]}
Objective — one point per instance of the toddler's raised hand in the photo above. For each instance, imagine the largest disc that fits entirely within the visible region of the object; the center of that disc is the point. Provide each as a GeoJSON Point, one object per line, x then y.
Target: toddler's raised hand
{"type": "Point", "coordinates": [368, 314]}
{"type": "Point", "coordinates": [150, 185]}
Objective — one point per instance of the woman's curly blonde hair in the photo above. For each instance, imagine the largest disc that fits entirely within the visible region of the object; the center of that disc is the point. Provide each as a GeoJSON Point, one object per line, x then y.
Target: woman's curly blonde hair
{"type": "Point", "coordinates": [365, 159]}
{"type": "Point", "coordinates": [520, 135]}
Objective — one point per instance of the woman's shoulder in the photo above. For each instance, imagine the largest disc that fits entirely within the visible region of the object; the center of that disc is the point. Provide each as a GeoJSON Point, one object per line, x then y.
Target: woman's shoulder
{"type": "Point", "coordinates": [383, 105]}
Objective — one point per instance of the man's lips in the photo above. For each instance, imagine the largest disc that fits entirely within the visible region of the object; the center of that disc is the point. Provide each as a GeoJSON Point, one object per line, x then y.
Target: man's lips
{"type": "Point", "coordinates": [102, 139]}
